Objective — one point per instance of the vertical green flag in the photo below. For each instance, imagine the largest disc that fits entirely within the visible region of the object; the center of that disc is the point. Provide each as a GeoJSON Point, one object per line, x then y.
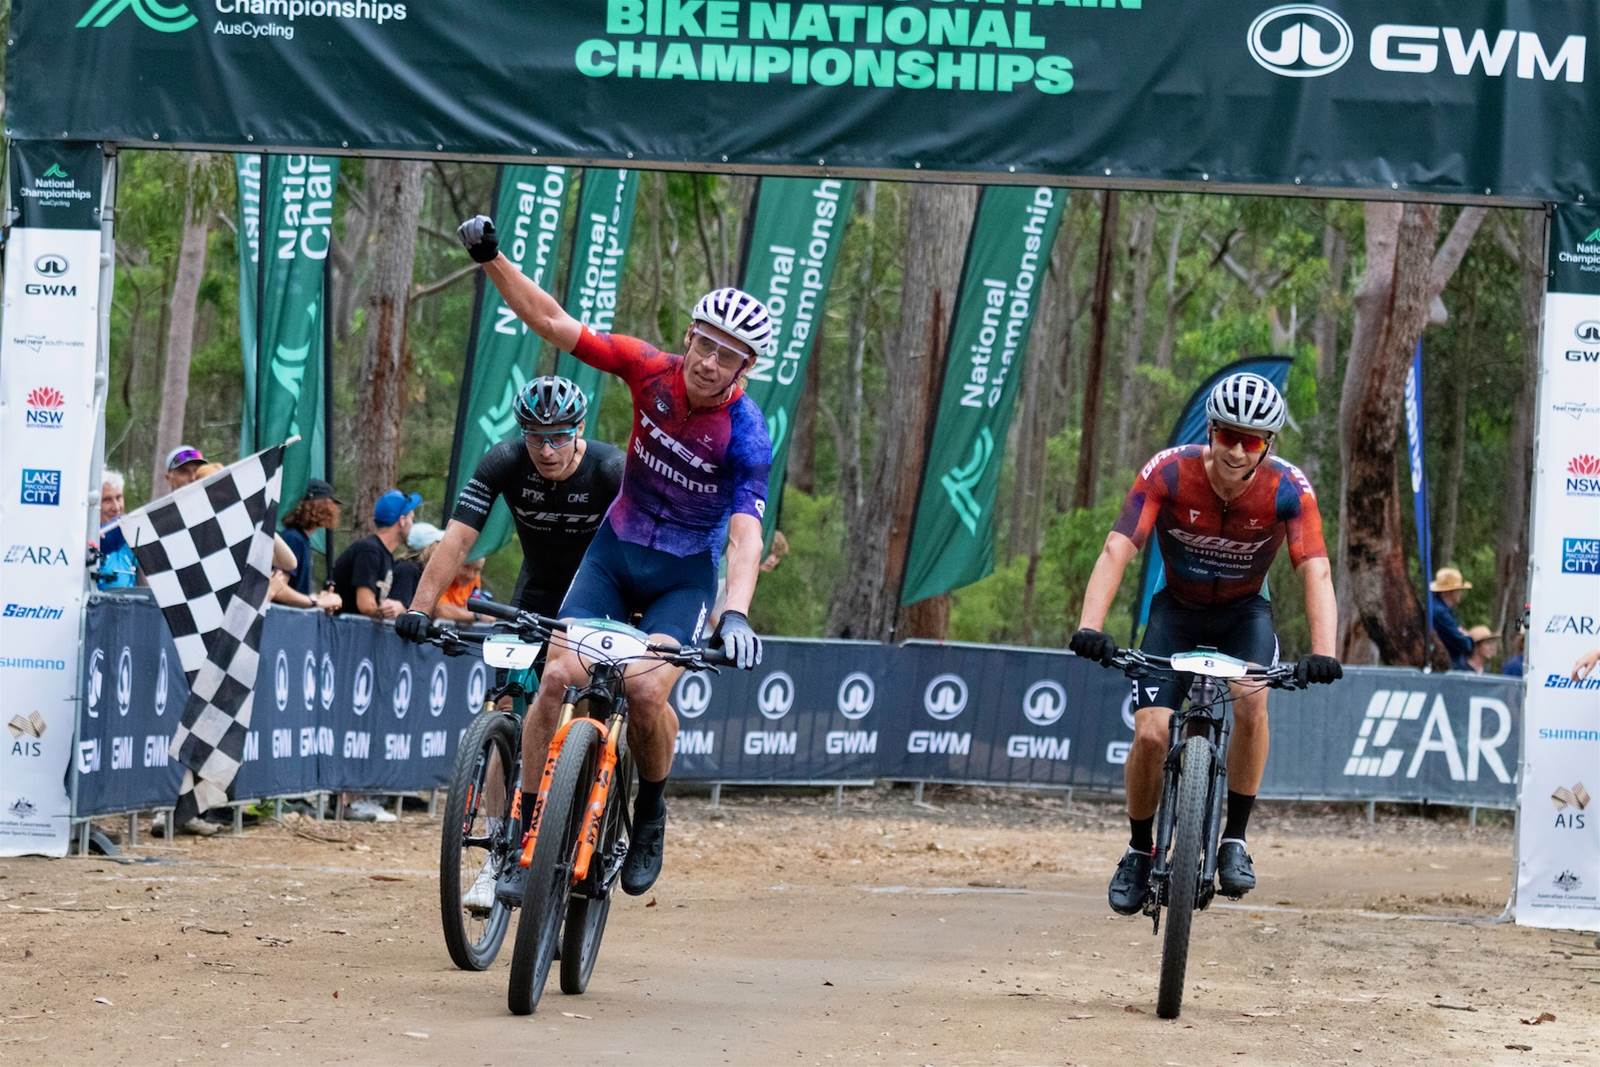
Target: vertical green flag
{"type": "Point", "coordinates": [952, 541]}
{"type": "Point", "coordinates": [529, 204]}
{"type": "Point", "coordinates": [605, 218]}
{"type": "Point", "coordinates": [296, 235]}
{"type": "Point", "coordinates": [793, 247]}
{"type": "Point", "coordinates": [247, 171]}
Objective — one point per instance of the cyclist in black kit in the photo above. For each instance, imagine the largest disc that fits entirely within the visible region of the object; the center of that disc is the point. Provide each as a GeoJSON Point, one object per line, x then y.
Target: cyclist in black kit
{"type": "Point", "coordinates": [558, 486]}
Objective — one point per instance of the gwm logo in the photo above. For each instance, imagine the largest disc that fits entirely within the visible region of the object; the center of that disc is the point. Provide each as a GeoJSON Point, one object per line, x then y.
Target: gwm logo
{"type": "Point", "coordinates": [164, 18]}
{"type": "Point", "coordinates": [327, 692]}
{"type": "Point", "coordinates": [50, 265]}
{"type": "Point", "coordinates": [692, 695]}
{"type": "Point", "coordinates": [308, 681]}
{"type": "Point", "coordinates": [402, 692]}
{"type": "Point", "coordinates": [438, 690]}
{"type": "Point", "coordinates": [280, 680]}
{"type": "Point", "coordinates": [124, 680]}
{"type": "Point", "coordinates": [477, 686]}
{"type": "Point", "coordinates": [1588, 331]}
{"type": "Point", "coordinates": [161, 686]}
{"type": "Point", "coordinates": [361, 693]}
{"type": "Point", "coordinates": [945, 697]}
{"type": "Point", "coordinates": [1300, 40]}
{"type": "Point", "coordinates": [1045, 702]}
{"type": "Point", "coordinates": [856, 694]}
{"type": "Point", "coordinates": [1583, 476]}
{"type": "Point", "coordinates": [44, 408]}
{"type": "Point", "coordinates": [96, 682]}
{"type": "Point", "coordinates": [776, 695]}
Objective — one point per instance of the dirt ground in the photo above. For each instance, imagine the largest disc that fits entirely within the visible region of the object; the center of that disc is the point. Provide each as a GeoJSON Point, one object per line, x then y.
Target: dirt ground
{"type": "Point", "coordinates": [784, 932]}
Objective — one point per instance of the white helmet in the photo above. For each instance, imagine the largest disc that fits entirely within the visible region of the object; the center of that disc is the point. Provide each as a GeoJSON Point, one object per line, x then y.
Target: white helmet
{"type": "Point", "coordinates": [1249, 402]}
{"type": "Point", "coordinates": [740, 314]}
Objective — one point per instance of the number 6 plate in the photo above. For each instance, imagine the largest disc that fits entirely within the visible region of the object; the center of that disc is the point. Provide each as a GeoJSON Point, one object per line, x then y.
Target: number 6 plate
{"type": "Point", "coordinates": [604, 641]}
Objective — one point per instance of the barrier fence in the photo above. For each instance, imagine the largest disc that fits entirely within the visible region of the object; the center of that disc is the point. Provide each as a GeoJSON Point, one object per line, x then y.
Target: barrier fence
{"type": "Point", "coordinates": [344, 705]}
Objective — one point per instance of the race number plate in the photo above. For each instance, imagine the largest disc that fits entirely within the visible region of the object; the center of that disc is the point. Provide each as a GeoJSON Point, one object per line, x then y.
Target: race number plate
{"type": "Point", "coordinates": [604, 641]}
{"type": "Point", "coordinates": [507, 652]}
{"type": "Point", "coordinates": [1210, 664]}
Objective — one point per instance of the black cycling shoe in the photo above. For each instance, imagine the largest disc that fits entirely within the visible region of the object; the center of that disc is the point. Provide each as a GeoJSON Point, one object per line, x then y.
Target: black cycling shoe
{"type": "Point", "coordinates": [1235, 873]}
{"type": "Point", "coordinates": [513, 881]}
{"type": "Point", "coordinates": [1131, 884]}
{"type": "Point", "coordinates": [643, 865]}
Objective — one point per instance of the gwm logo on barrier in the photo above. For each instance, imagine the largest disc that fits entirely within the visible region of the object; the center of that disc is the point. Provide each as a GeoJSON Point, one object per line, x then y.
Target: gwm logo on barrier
{"type": "Point", "coordinates": [692, 696]}
{"type": "Point", "coordinates": [1043, 704]}
{"type": "Point", "coordinates": [438, 690]}
{"type": "Point", "coordinates": [943, 699]}
{"type": "Point", "coordinates": [164, 18]}
{"type": "Point", "coordinates": [856, 695]}
{"type": "Point", "coordinates": [161, 685]}
{"type": "Point", "coordinates": [280, 680]}
{"type": "Point", "coordinates": [361, 692]}
{"type": "Point", "coordinates": [1300, 40]}
{"type": "Point", "coordinates": [774, 698]}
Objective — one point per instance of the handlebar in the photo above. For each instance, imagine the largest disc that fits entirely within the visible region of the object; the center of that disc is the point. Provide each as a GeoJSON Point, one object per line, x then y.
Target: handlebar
{"type": "Point", "coordinates": [1136, 664]}
{"type": "Point", "coordinates": [534, 626]}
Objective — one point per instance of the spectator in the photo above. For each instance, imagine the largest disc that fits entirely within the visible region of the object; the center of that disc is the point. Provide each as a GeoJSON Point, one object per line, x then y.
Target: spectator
{"type": "Point", "coordinates": [363, 575]}
{"type": "Point", "coordinates": [204, 471]}
{"type": "Point", "coordinates": [317, 510]}
{"type": "Point", "coordinates": [118, 568]}
{"type": "Point", "coordinates": [182, 463]}
{"type": "Point", "coordinates": [407, 568]}
{"type": "Point", "coordinates": [1447, 589]}
{"type": "Point", "coordinates": [467, 583]}
{"type": "Point", "coordinates": [780, 548]}
{"type": "Point", "coordinates": [281, 590]}
{"type": "Point", "coordinates": [1485, 647]}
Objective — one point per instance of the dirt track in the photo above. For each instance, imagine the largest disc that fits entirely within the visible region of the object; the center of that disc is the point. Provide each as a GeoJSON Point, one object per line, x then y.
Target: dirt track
{"type": "Point", "coordinates": [783, 932]}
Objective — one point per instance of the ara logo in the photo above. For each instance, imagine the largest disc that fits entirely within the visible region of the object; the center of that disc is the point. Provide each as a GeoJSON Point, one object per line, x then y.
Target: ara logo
{"type": "Point", "coordinates": [1577, 625]}
{"type": "Point", "coordinates": [161, 685]}
{"type": "Point", "coordinates": [1588, 332]}
{"type": "Point", "coordinates": [477, 687]}
{"type": "Point", "coordinates": [1300, 40]}
{"type": "Point", "coordinates": [402, 691]}
{"type": "Point", "coordinates": [124, 680]}
{"type": "Point", "coordinates": [438, 690]}
{"type": "Point", "coordinates": [856, 694]}
{"type": "Point", "coordinates": [161, 17]}
{"type": "Point", "coordinates": [308, 681]}
{"type": "Point", "coordinates": [1045, 702]}
{"type": "Point", "coordinates": [280, 680]}
{"type": "Point", "coordinates": [960, 481]}
{"type": "Point", "coordinates": [40, 555]}
{"type": "Point", "coordinates": [51, 265]}
{"type": "Point", "coordinates": [327, 682]}
{"type": "Point", "coordinates": [776, 695]}
{"type": "Point", "coordinates": [361, 692]}
{"type": "Point", "coordinates": [1378, 752]}
{"type": "Point", "coordinates": [692, 695]}
{"type": "Point", "coordinates": [945, 697]}
{"type": "Point", "coordinates": [96, 684]}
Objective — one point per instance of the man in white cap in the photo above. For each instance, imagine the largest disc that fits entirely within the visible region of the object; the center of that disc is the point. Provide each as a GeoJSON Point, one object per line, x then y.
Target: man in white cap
{"type": "Point", "coordinates": [1447, 589]}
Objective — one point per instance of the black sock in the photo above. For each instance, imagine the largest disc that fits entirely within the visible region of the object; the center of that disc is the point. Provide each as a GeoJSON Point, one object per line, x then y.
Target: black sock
{"type": "Point", "coordinates": [1139, 836]}
{"type": "Point", "coordinates": [651, 801]}
{"type": "Point", "coordinates": [1239, 807]}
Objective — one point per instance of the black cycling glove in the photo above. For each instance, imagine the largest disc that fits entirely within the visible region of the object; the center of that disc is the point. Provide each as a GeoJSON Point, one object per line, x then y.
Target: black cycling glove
{"type": "Point", "coordinates": [1093, 644]}
{"type": "Point", "coordinates": [1318, 670]}
{"type": "Point", "coordinates": [413, 626]}
{"type": "Point", "coordinates": [739, 642]}
{"type": "Point", "coordinates": [477, 234]}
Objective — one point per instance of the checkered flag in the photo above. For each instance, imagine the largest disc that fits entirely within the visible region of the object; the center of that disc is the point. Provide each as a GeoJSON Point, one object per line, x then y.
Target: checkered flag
{"type": "Point", "coordinates": [206, 551]}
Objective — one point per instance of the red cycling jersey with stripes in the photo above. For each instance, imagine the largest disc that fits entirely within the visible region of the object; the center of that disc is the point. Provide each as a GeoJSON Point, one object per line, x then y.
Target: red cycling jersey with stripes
{"type": "Point", "coordinates": [1216, 551]}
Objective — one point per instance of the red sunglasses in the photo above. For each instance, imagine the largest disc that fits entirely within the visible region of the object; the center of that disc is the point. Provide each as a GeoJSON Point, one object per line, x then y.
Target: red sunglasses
{"type": "Point", "coordinates": [1250, 442]}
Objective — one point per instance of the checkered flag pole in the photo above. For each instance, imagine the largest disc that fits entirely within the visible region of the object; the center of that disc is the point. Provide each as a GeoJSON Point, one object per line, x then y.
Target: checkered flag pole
{"type": "Point", "coordinates": [206, 551]}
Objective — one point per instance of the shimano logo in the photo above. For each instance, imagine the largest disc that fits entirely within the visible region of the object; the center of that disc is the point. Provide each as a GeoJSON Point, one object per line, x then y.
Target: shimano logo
{"type": "Point", "coordinates": [945, 697]}
{"type": "Point", "coordinates": [1045, 702]}
{"type": "Point", "coordinates": [856, 694]}
{"type": "Point", "coordinates": [776, 695]}
{"type": "Point", "coordinates": [1300, 40]}
{"type": "Point", "coordinates": [1548, 733]}
{"type": "Point", "coordinates": [1379, 753]}
{"type": "Point", "coordinates": [692, 695]}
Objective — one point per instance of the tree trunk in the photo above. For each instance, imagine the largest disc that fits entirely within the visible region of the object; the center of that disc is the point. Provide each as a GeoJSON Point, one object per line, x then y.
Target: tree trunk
{"type": "Point", "coordinates": [1511, 554]}
{"type": "Point", "coordinates": [851, 477]}
{"type": "Point", "coordinates": [1100, 314]}
{"type": "Point", "coordinates": [803, 445]}
{"type": "Point", "coordinates": [180, 329]}
{"type": "Point", "coordinates": [394, 193]}
{"type": "Point", "coordinates": [1325, 331]}
{"type": "Point", "coordinates": [1141, 247]}
{"type": "Point", "coordinates": [1445, 542]}
{"type": "Point", "coordinates": [939, 218]}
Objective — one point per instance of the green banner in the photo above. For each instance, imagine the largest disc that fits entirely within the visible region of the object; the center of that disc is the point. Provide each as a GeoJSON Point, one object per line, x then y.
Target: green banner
{"type": "Point", "coordinates": [794, 243]}
{"type": "Point", "coordinates": [528, 210]}
{"type": "Point", "coordinates": [605, 218]}
{"type": "Point", "coordinates": [952, 541]}
{"type": "Point", "coordinates": [56, 186]}
{"type": "Point", "coordinates": [296, 234]}
{"type": "Point", "coordinates": [247, 235]}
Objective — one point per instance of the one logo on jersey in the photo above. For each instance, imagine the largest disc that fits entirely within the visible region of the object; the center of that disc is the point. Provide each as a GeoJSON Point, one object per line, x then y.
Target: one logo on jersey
{"type": "Point", "coordinates": [945, 697]}
{"type": "Point", "coordinates": [856, 695]}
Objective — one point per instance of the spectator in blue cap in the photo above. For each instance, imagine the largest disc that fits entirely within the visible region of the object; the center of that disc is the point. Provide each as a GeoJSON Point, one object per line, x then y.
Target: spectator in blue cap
{"type": "Point", "coordinates": [363, 575]}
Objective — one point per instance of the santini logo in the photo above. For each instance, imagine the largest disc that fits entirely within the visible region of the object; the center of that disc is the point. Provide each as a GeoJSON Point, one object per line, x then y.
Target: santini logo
{"type": "Point", "coordinates": [1300, 40]}
{"type": "Point", "coordinates": [158, 16]}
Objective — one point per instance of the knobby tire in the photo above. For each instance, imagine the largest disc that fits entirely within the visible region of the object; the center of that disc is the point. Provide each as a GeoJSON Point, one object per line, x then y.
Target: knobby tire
{"type": "Point", "coordinates": [1183, 884]}
{"type": "Point", "coordinates": [586, 915]}
{"type": "Point", "coordinates": [490, 731]}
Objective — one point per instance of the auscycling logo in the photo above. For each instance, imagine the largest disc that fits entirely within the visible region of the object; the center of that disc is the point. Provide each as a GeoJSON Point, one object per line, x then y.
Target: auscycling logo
{"type": "Point", "coordinates": [959, 482]}
{"type": "Point", "coordinates": [165, 18]}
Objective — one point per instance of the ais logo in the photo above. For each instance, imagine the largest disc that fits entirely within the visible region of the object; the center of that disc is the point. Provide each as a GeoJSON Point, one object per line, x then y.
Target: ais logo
{"type": "Point", "coordinates": [1583, 476]}
{"type": "Point", "coordinates": [1570, 805]}
{"type": "Point", "coordinates": [45, 408]}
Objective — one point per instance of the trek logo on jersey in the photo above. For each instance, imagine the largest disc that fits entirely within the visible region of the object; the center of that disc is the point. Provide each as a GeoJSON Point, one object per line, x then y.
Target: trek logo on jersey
{"type": "Point", "coordinates": [1580, 555]}
{"type": "Point", "coordinates": [1583, 475]}
{"type": "Point", "coordinates": [677, 448]}
{"type": "Point", "coordinates": [1213, 543]}
{"type": "Point", "coordinates": [679, 451]}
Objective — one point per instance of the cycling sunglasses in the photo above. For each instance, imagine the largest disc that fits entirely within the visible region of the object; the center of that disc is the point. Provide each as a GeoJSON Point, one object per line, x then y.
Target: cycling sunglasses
{"type": "Point", "coordinates": [704, 345]}
{"type": "Point", "coordinates": [1251, 443]}
{"type": "Point", "coordinates": [556, 439]}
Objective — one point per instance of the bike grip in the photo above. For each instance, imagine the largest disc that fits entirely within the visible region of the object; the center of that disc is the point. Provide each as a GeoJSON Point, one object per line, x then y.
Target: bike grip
{"type": "Point", "coordinates": [715, 657]}
{"type": "Point", "coordinates": [494, 609]}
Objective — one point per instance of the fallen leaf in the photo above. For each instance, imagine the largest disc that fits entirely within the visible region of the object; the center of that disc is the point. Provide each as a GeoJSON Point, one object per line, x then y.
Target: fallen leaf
{"type": "Point", "coordinates": [575, 1015]}
{"type": "Point", "coordinates": [1079, 1018]}
{"type": "Point", "coordinates": [1543, 1017]}
{"type": "Point", "coordinates": [1520, 1048]}
{"type": "Point", "coordinates": [1131, 1010]}
{"type": "Point", "coordinates": [652, 903]}
{"type": "Point", "coordinates": [386, 877]}
{"type": "Point", "coordinates": [103, 1000]}
{"type": "Point", "coordinates": [418, 1034]}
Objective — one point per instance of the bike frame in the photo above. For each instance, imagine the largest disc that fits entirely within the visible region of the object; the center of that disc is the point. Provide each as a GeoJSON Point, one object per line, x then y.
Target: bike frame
{"type": "Point", "coordinates": [1205, 713]}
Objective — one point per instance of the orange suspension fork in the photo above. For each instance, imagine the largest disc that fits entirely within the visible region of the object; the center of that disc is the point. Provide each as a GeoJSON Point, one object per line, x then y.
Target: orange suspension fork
{"type": "Point", "coordinates": [560, 738]}
{"type": "Point", "coordinates": [589, 835]}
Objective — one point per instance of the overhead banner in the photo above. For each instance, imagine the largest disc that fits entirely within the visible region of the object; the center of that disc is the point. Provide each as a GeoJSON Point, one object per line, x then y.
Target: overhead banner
{"type": "Point", "coordinates": [605, 220]}
{"type": "Point", "coordinates": [247, 235]}
{"type": "Point", "coordinates": [297, 231]}
{"type": "Point", "coordinates": [1472, 97]}
{"type": "Point", "coordinates": [48, 502]}
{"type": "Point", "coordinates": [530, 203]}
{"type": "Point", "coordinates": [1558, 828]}
{"type": "Point", "coordinates": [952, 541]}
{"type": "Point", "coordinates": [793, 247]}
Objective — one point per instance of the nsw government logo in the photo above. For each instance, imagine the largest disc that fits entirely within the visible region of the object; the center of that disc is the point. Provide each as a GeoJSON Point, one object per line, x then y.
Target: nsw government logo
{"type": "Point", "coordinates": [45, 406]}
{"type": "Point", "coordinates": [1583, 475]}
{"type": "Point", "coordinates": [1300, 40]}
{"type": "Point", "coordinates": [1580, 555]}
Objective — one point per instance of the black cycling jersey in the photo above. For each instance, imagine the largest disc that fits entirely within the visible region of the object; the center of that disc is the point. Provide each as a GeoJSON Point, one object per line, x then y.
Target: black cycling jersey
{"type": "Point", "coordinates": [555, 521]}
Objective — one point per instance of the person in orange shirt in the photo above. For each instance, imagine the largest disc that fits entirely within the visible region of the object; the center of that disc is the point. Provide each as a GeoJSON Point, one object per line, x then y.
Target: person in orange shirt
{"type": "Point", "coordinates": [468, 580]}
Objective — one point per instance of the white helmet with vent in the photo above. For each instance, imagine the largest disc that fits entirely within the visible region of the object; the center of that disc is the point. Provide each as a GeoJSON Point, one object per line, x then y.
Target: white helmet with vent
{"type": "Point", "coordinates": [1249, 402]}
{"type": "Point", "coordinates": [740, 314]}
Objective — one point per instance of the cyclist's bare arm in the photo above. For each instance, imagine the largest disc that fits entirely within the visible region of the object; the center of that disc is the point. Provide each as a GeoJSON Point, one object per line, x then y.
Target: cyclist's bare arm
{"type": "Point", "coordinates": [1105, 579]}
{"type": "Point", "coordinates": [442, 566]}
{"type": "Point", "coordinates": [744, 561]}
{"type": "Point", "coordinates": [1322, 610]}
{"type": "Point", "coordinates": [533, 305]}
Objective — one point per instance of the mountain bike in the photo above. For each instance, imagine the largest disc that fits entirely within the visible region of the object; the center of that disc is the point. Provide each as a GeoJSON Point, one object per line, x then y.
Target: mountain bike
{"type": "Point", "coordinates": [1193, 795]}
{"type": "Point", "coordinates": [581, 819]}
{"type": "Point", "coordinates": [490, 756]}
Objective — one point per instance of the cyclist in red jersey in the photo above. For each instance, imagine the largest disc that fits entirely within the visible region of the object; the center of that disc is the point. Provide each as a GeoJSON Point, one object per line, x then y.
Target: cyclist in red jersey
{"type": "Point", "coordinates": [1220, 511]}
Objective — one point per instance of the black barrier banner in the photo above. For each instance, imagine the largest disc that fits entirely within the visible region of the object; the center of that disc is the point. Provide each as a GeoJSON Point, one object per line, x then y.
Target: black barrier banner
{"type": "Point", "coordinates": [1467, 97]}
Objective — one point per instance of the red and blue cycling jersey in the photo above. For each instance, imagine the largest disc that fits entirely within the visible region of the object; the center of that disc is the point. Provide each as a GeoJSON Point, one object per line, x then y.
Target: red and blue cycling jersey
{"type": "Point", "coordinates": [1216, 551]}
{"type": "Point", "coordinates": [688, 470]}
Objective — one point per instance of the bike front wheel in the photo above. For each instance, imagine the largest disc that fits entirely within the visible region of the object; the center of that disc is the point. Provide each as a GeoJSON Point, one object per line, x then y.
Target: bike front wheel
{"type": "Point", "coordinates": [544, 902]}
{"type": "Point", "coordinates": [586, 914]}
{"type": "Point", "coordinates": [1183, 883]}
{"type": "Point", "coordinates": [488, 750]}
